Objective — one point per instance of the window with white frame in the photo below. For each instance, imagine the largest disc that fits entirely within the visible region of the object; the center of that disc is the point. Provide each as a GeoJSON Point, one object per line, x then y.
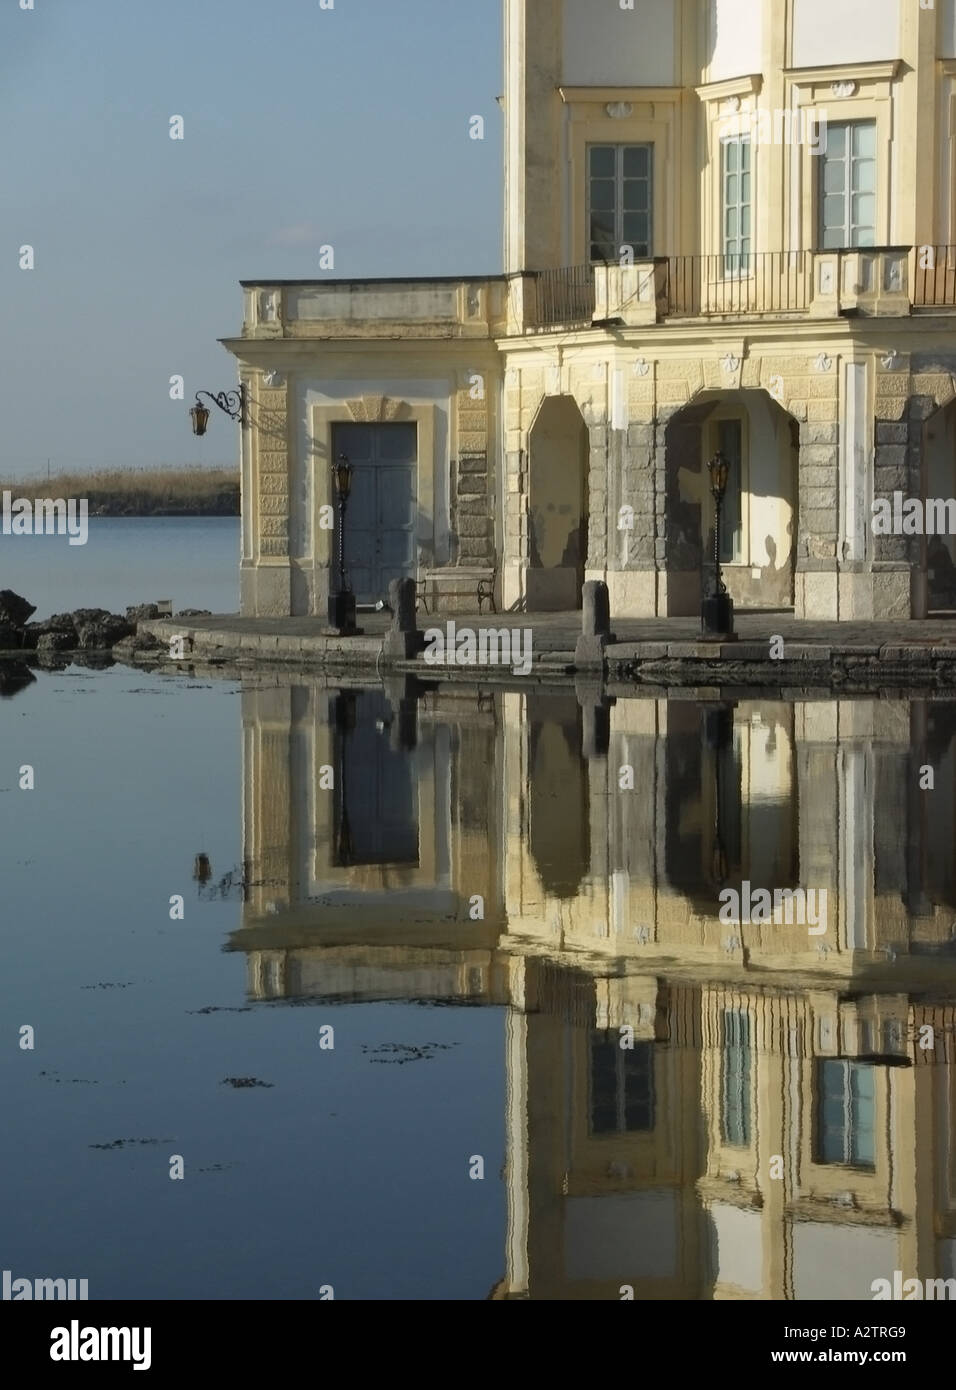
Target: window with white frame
{"type": "Point", "coordinates": [846, 1112]}
{"type": "Point", "coordinates": [735, 1079]}
{"type": "Point", "coordinates": [736, 204]}
{"type": "Point", "coordinates": [620, 200]}
{"type": "Point", "coordinates": [848, 185]}
{"type": "Point", "coordinates": [622, 1085]}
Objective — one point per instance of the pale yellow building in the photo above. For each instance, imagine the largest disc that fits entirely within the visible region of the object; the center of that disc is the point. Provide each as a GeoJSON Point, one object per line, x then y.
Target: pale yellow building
{"type": "Point", "coordinates": [729, 225]}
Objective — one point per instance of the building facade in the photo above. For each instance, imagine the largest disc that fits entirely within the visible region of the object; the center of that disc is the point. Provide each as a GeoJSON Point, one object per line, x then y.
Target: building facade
{"type": "Point", "coordinates": [729, 225]}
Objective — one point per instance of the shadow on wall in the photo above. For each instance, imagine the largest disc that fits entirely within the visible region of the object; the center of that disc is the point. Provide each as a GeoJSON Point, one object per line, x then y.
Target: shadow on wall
{"type": "Point", "coordinates": [557, 497]}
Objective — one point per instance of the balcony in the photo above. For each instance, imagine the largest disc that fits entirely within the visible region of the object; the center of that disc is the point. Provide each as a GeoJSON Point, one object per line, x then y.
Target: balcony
{"type": "Point", "coordinates": [770, 282]}
{"type": "Point", "coordinates": [440, 307]}
{"type": "Point", "coordinates": [565, 297]}
{"type": "Point", "coordinates": [885, 281]}
{"type": "Point", "coordinates": [934, 278]}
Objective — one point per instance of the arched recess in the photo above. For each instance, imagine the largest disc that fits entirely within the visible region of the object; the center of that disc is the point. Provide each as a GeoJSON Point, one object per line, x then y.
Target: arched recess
{"type": "Point", "coordinates": [557, 506]}
{"type": "Point", "coordinates": [935, 543]}
{"type": "Point", "coordinates": [759, 523]}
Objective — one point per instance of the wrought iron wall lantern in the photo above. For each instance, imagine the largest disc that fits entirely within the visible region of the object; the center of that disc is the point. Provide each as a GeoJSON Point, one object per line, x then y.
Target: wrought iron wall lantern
{"type": "Point", "coordinates": [232, 403]}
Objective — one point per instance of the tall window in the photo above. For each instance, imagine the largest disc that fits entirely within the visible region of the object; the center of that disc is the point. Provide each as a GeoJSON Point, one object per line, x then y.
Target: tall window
{"type": "Point", "coordinates": [622, 1085]}
{"type": "Point", "coordinates": [848, 185]}
{"type": "Point", "coordinates": [736, 204]}
{"type": "Point", "coordinates": [735, 1079]}
{"type": "Point", "coordinates": [619, 200]}
{"type": "Point", "coordinates": [730, 443]}
{"type": "Point", "coordinates": [845, 1113]}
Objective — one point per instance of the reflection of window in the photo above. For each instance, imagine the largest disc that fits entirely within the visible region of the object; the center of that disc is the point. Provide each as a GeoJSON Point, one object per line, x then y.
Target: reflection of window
{"type": "Point", "coordinates": [845, 1113]}
{"type": "Point", "coordinates": [622, 1085]}
{"type": "Point", "coordinates": [730, 443]}
{"type": "Point", "coordinates": [619, 200]}
{"type": "Point", "coordinates": [848, 185]}
{"type": "Point", "coordinates": [736, 205]}
{"type": "Point", "coordinates": [735, 1079]}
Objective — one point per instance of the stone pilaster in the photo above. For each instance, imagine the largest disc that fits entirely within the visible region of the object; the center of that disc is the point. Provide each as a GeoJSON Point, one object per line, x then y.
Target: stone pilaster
{"type": "Point", "coordinates": [818, 480]}
{"type": "Point", "coordinates": [272, 495]}
{"type": "Point", "coordinates": [266, 577]}
{"type": "Point", "coordinates": [472, 499]}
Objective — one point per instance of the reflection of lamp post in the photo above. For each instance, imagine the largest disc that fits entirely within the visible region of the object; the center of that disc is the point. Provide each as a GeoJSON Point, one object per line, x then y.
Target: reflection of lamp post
{"type": "Point", "coordinates": [342, 600]}
{"type": "Point", "coordinates": [718, 736]}
{"type": "Point", "coordinates": [232, 403]}
{"type": "Point", "coordinates": [717, 610]}
{"type": "Point", "coordinates": [344, 724]}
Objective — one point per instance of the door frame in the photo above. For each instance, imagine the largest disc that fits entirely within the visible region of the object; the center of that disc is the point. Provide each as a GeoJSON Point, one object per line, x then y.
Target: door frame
{"type": "Point", "coordinates": [366, 410]}
{"type": "Point", "coordinates": [378, 465]}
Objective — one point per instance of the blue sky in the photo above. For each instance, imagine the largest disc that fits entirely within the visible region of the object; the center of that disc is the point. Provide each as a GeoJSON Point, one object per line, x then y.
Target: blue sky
{"type": "Point", "coordinates": [303, 126]}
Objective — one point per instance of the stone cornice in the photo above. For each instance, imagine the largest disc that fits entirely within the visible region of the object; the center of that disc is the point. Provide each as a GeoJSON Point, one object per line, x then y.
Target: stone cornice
{"type": "Point", "coordinates": [602, 96]}
{"type": "Point", "coordinates": [749, 85]}
{"type": "Point", "coordinates": [877, 77]}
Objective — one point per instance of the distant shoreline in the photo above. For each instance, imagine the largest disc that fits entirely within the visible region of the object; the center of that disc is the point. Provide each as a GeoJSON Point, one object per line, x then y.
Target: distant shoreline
{"type": "Point", "coordinates": [127, 492]}
{"type": "Point", "coordinates": [120, 513]}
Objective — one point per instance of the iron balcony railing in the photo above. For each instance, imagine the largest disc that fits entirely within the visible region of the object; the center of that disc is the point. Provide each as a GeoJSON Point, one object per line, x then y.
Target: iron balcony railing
{"type": "Point", "coordinates": [565, 296]}
{"type": "Point", "coordinates": [934, 278]}
{"type": "Point", "coordinates": [761, 282]}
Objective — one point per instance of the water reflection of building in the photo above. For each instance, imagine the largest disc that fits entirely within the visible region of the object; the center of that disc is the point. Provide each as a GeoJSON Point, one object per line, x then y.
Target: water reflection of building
{"type": "Point", "coordinates": [360, 887]}
{"type": "Point", "coordinates": [776, 1130]}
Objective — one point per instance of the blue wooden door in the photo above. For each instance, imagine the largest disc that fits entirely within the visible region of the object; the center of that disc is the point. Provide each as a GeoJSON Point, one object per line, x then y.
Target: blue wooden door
{"type": "Point", "coordinates": [380, 529]}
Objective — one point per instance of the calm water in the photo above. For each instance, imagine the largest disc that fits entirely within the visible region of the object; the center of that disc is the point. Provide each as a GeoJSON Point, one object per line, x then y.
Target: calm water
{"type": "Point", "coordinates": [484, 912]}
{"type": "Point", "coordinates": [194, 561]}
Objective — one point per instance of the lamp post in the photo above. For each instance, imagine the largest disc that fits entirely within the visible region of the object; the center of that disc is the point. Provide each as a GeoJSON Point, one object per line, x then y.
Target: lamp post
{"type": "Point", "coordinates": [717, 609]}
{"type": "Point", "coordinates": [342, 600]}
{"type": "Point", "coordinates": [232, 403]}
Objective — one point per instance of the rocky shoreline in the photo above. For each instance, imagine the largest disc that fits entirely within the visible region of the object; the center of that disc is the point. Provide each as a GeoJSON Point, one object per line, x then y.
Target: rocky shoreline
{"type": "Point", "coordinates": [88, 632]}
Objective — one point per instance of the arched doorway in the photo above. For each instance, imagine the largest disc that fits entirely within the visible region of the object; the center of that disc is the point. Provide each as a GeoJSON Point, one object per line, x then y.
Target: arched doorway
{"type": "Point", "coordinates": [557, 506]}
{"type": "Point", "coordinates": [758, 525]}
{"type": "Point", "coordinates": [935, 591]}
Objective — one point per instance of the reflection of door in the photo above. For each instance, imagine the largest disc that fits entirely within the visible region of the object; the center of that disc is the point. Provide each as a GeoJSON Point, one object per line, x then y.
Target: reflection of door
{"type": "Point", "coordinates": [380, 520]}
{"type": "Point", "coordinates": [378, 791]}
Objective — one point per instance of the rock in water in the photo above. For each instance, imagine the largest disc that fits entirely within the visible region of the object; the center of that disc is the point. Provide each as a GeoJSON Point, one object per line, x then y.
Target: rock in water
{"type": "Point", "coordinates": [55, 642]}
{"type": "Point", "coordinates": [14, 677]}
{"type": "Point", "coordinates": [83, 616]}
{"type": "Point", "coordinates": [99, 634]}
{"type": "Point", "coordinates": [144, 642]}
{"type": "Point", "coordinates": [14, 609]}
{"type": "Point", "coordinates": [60, 623]}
